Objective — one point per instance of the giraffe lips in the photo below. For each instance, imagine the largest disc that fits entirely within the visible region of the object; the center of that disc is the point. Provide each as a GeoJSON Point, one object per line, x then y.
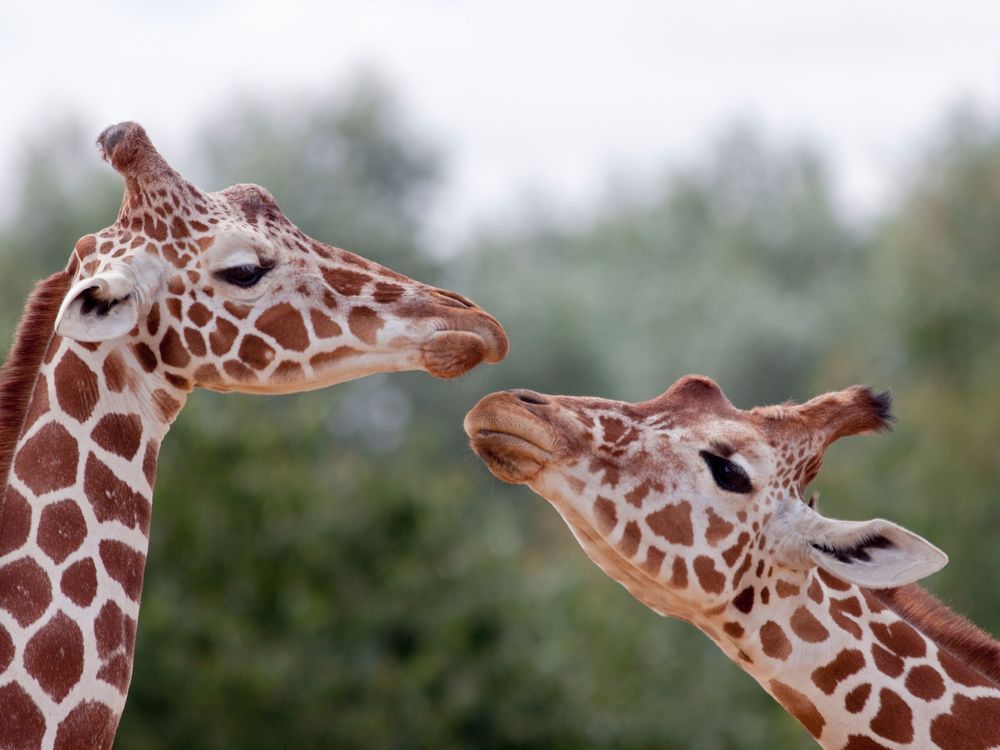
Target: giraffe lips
{"type": "Point", "coordinates": [509, 457]}
{"type": "Point", "coordinates": [450, 353]}
{"type": "Point", "coordinates": [512, 445]}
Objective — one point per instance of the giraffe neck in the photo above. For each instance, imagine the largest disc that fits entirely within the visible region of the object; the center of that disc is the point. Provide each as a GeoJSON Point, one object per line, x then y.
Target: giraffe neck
{"type": "Point", "coordinates": [74, 531]}
{"type": "Point", "coordinates": [855, 673]}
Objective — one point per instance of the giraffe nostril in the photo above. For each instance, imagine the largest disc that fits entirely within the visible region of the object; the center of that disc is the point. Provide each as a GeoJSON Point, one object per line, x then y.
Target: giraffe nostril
{"type": "Point", "coordinates": [530, 397]}
{"type": "Point", "coordinates": [452, 299]}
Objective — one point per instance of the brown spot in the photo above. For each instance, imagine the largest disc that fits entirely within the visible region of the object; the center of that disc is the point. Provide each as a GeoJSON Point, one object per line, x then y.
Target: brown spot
{"type": "Point", "coordinates": [114, 372]}
{"type": "Point", "coordinates": [79, 582]}
{"type": "Point", "coordinates": [115, 633]}
{"type": "Point", "coordinates": [199, 315]}
{"type": "Point", "coordinates": [322, 326]}
{"type": "Point", "coordinates": [176, 286]}
{"type": "Point", "coordinates": [15, 521]}
{"type": "Point", "coordinates": [610, 472]}
{"type": "Point", "coordinates": [172, 351]}
{"type": "Point", "coordinates": [673, 523]}
{"type": "Point", "coordinates": [222, 337]}
{"type": "Point", "coordinates": [743, 601]}
{"type": "Point", "coordinates": [629, 543]}
{"type": "Point", "coordinates": [832, 581]}
{"type": "Point", "coordinates": [636, 495]}
{"type": "Point", "coordinates": [285, 325]}
{"type": "Point", "coordinates": [61, 530]}
{"type": "Point", "coordinates": [874, 605]}
{"type": "Point", "coordinates": [774, 641]}
{"type": "Point", "coordinates": [846, 663]}
{"type": "Point", "coordinates": [348, 283]}
{"type": "Point", "coordinates": [807, 627]}
{"type": "Point", "coordinates": [839, 611]}
{"type": "Point", "coordinates": [112, 499]}
{"type": "Point", "coordinates": [85, 246]}
{"type": "Point", "coordinates": [613, 428]}
{"type": "Point", "coordinates": [120, 434]}
{"type": "Point", "coordinates": [653, 561]}
{"type": "Point", "coordinates": [386, 293]}
{"type": "Point", "coordinates": [894, 719]}
{"type": "Point", "coordinates": [54, 656]}
{"type": "Point", "coordinates": [48, 460]}
{"type": "Point", "coordinates": [605, 514]}
{"type": "Point", "coordinates": [732, 554]}
{"type": "Point", "coordinates": [23, 724]}
{"type": "Point", "coordinates": [289, 371]}
{"type": "Point", "coordinates": [88, 723]}
{"type": "Point", "coordinates": [860, 742]}
{"type": "Point", "coordinates": [237, 309]}
{"type": "Point", "coordinates": [76, 387]}
{"type": "Point", "coordinates": [925, 682]}
{"type": "Point", "coordinates": [149, 461]}
{"type": "Point", "coordinates": [799, 706]}
{"type": "Point", "coordinates": [239, 371]}
{"type": "Point", "coordinates": [740, 571]}
{"type": "Point", "coordinates": [39, 404]}
{"type": "Point", "coordinates": [710, 579]}
{"type": "Point", "coordinates": [178, 229]}
{"type": "Point", "coordinates": [815, 591]}
{"type": "Point", "coordinates": [718, 529]}
{"type": "Point", "coordinates": [154, 228]}
{"type": "Point", "coordinates": [972, 724]}
{"type": "Point", "coordinates": [195, 342]}
{"type": "Point", "coordinates": [153, 320]}
{"type": "Point", "coordinates": [125, 565]}
{"type": "Point", "coordinates": [786, 589]}
{"type": "Point", "coordinates": [900, 638]}
{"type": "Point", "coordinates": [144, 356]}
{"type": "Point", "coordinates": [855, 700]}
{"type": "Point", "coordinates": [25, 591]}
{"type": "Point", "coordinates": [365, 323]}
{"type": "Point", "coordinates": [166, 405]}
{"type": "Point", "coordinates": [886, 661]}
{"type": "Point", "coordinates": [256, 352]}
{"type": "Point", "coordinates": [733, 629]}
{"type": "Point", "coordinates": [6, 649]}
{"type": "Point", "coordinates": [679, 573]}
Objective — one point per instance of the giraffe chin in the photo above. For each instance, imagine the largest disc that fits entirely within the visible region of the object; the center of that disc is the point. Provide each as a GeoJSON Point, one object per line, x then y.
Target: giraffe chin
{"type": "Point", "coordinates": [509, 457]}
{"type": "Point", "coordinates": [448, 354]}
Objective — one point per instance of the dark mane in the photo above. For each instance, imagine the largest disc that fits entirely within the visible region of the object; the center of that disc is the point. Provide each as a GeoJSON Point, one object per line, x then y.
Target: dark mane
{"type": "Point", "coordinates": [31, 340]}
{"type": "Point", "coordinates": [950, 631]}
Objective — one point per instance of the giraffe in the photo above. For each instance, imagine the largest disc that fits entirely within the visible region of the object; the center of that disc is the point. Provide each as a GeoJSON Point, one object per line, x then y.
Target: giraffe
{"type": "Point", "coordinates": [186, 289]}
{"type": "Point", "coordinates": [699, 509]}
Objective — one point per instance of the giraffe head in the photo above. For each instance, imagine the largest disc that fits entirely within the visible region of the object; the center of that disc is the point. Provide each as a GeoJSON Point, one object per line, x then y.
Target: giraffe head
{"type": "Point", "coordinates": [685, 498]}
{"type": "Point", "coordinates": [221, 290]}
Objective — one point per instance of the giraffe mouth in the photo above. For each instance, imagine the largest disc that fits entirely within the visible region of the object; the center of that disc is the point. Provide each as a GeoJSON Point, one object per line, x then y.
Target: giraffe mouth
{"type": "Point", "coordinates": [463, 344]}
{"type": "Point", "coordinates": [514, 445]}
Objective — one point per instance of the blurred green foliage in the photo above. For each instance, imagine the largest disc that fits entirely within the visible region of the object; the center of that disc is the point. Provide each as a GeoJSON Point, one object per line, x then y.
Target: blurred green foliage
{"type": "Point", "coordinates": [336, 569]}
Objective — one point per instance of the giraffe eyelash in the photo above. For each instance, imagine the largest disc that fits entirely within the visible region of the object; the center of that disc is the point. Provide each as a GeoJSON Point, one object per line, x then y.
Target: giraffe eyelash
{"type": "Point", "coordinates": [728, 475]}
{"type": "Point", "coordinates": [243, 276]}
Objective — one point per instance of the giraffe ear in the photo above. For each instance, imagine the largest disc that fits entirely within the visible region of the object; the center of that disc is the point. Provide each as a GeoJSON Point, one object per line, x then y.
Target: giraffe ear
{"type": "Point", "coordinates": [852, 411]}
{"type": "Point", "coordinates": [873, 554]}
{"type": "Point", "coordinates": [99, 308]}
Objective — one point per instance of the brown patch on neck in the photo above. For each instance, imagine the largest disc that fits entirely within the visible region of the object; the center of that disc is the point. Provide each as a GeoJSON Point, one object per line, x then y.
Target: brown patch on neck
{"type": "Point", "coordinates": [19, 374]}
{"type": "Point", "coordinates": [950, 631]}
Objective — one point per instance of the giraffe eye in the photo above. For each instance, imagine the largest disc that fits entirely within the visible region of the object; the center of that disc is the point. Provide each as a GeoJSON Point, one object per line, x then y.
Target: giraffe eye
{"type": "Point", "coordinates": [244, 276]}
{"type": "Point", "coordinates": [728, 475]}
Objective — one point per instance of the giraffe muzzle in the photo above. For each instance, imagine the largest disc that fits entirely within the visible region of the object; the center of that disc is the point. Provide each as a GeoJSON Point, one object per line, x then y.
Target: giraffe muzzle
{"type": "Point", "coordinates": [509, 436]}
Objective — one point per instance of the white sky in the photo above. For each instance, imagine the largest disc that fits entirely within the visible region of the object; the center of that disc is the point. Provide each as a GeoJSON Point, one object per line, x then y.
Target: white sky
{"type": "Point", "coordinates": [524, 93]}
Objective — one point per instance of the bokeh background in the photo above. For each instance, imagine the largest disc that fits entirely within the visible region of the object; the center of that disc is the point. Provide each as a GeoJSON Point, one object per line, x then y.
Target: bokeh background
{"type": "Point", "coordinates": [787, 197]}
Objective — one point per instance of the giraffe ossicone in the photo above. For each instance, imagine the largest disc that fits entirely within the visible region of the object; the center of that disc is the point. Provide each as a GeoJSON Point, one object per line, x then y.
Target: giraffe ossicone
{"type": "Point", "coordinates": [186, 289]}
{"type": "Point", "coordinates": [699, 509]}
